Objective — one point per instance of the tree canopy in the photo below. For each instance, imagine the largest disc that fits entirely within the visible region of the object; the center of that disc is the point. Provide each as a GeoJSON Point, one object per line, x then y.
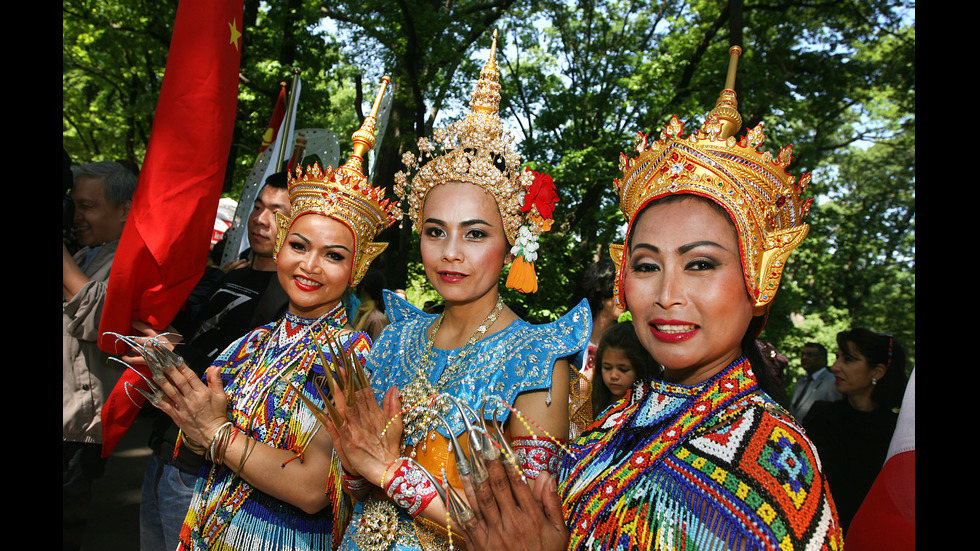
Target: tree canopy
{"type": "Point", "coordinates": [580, 78]}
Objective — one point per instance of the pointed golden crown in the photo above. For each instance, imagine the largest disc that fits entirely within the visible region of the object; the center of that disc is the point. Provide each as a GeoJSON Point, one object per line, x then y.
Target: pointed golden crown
{"type": "Point", "coordinates": [345, 195]}
{"type": "Point", "coordinates": [475, 150]}
{"type": "Point", "coordinates": [762, 198]}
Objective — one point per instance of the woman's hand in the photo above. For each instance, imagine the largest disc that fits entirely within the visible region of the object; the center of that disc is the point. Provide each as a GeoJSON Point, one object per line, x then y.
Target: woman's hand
{"type": "Point", "coordinates": [170, 338]}
{"type": "Point", "coordinates": [509, 515]}
{"type": "Point", "coordinates": [367, 438]}
{"type": "Point", "coordinates": [198, 409]}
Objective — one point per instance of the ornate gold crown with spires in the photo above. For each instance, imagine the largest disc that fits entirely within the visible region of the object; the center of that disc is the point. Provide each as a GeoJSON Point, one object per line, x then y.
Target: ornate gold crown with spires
{"type": "Point", "coordinates": [761, 197]}
{"type": "Point", "coordinates": [345, 195]}
{"type": "Point", "coordinates": [475, 150]}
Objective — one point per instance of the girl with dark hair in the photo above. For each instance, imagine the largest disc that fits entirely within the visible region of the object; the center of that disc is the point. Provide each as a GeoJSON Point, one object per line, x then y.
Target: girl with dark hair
{"type": "Point", "coordinates": [621, 362]}
{"type": "Point", "coordinates": [852, 435]}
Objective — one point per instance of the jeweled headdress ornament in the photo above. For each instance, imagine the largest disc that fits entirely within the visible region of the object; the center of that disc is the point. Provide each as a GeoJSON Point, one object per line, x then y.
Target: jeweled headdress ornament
{"type": "Point", "coordinates": [345, 195]}
{"type": "Point", "coordinates": [476, 150]}
{"type": "Point", "coordinates": [761, 197]}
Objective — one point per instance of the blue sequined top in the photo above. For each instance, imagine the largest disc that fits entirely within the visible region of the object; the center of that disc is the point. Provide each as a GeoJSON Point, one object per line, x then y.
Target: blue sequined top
{"type": "Point", "coordinates": [517, 359]}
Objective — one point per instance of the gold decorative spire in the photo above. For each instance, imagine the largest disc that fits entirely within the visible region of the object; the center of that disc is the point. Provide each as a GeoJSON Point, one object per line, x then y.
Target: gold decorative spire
{"type": "Point", "coordinates": [474, 150]}
{"type": "Point", "coordinates": [763, 199]}
{"type": "Point", "coordinates": [726, 108]}
{"type": "Point", "coordinates": [345, 195]}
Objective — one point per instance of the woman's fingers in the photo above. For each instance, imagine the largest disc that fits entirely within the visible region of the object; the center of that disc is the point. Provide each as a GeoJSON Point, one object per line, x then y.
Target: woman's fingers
{"type": "Point", "coordinates": [508, 514]}
{"type": "Point", "coordinates": [546, 494]}
{"type": "Point", "coordinates": [392, 412]}
{"type": "Point", "coordinates": [214, 383]}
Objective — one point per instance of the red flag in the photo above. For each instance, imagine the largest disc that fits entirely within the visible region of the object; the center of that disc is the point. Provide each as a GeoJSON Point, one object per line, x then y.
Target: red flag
{"type": "Point", "coordinates": [275, 123]}
{"type": "Point", "coordinates": [164, 245]}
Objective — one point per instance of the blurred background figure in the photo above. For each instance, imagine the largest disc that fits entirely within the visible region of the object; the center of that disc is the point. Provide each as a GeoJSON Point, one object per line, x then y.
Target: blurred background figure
{"type": "Point", "coordinates": [621, 361]}
{"type": "Point", "coordinates": [775, 362]}
{"type": "Point", "coordinates": [101, 195]}
{"type": "Point", "coordinates": [370, 317]}
{"type": "Point", "coordinates": [852, 435]}
{"type": "Point", "coordinates": [818, 383]}
{"type": "Point", "coordinates": [596, 286]}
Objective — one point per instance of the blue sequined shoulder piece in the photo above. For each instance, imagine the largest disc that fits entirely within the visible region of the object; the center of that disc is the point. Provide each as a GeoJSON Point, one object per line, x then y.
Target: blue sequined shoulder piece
{"type": "Point", "coordinates": [520, 358]}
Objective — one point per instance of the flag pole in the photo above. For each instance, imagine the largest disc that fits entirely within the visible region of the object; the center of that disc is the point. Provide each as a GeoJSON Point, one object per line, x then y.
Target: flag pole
{"type": "Point", "coordinates": [288, 119]}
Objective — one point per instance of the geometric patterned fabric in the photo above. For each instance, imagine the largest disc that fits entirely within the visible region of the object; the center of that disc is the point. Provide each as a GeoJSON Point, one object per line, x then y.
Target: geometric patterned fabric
{"type": "Point", "coordinates": [718, 465]}
{"type": "Point", "coordinates": [226, 512]}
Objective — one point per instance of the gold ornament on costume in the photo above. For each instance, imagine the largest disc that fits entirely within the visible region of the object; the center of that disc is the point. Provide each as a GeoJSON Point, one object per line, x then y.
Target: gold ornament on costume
{"type": "Point", "coordinates": [476, 150]}
{"type": "Point", "coordinates": [761, 197]}
{"type": "Point", "coordinates": [345, 195]}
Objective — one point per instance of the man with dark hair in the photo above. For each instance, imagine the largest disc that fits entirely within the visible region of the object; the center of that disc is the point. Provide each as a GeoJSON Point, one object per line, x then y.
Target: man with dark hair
{"type": "Point", "coordinates": [818, 383]}
{"type": "Point", "coordinates": [248, 296]}
{"type": "Point", "coordinates": [102, 194]}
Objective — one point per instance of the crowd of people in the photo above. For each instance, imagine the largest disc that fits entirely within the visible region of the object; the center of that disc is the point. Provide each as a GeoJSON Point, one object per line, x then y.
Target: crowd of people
{"type": "Point", "coordinates": [287, 418]}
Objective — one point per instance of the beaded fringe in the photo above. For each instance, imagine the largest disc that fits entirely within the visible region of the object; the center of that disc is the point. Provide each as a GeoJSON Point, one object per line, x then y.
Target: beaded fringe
{"type": "Point", "coordinates": [683, 518]}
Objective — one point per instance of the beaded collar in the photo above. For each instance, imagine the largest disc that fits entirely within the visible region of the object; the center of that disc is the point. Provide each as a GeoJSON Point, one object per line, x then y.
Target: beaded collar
{"type": "Point", "coordinates": [672, 421]}
{"type": "Point", "coordinates": [276, 354]}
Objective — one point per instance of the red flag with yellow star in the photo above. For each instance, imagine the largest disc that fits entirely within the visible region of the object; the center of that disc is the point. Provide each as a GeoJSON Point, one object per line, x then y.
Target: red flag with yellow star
{"type": "Point", "coordinates": [164, 245]}
{"type": "Point", "coordinates": [275, 123]}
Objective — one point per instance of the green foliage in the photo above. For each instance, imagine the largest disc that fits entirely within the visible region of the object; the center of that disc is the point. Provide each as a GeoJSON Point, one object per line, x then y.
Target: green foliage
{"type": "Point", "coordinates": [836, 80]}
{"type": "Point", "coordinates": [113, 56]}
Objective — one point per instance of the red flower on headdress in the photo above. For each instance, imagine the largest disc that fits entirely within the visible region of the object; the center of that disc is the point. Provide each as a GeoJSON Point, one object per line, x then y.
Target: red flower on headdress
{"type": "Point", "coordinates": [542, 195]}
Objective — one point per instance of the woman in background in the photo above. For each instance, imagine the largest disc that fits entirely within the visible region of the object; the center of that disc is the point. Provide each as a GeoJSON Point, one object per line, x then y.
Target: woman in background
{"type": "Point", "coordinates": [852, 435]}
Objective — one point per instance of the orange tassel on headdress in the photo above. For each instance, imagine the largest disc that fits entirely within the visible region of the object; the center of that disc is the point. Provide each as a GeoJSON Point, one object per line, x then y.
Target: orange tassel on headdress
{"type": "Point", "coordinates": [522, 276]}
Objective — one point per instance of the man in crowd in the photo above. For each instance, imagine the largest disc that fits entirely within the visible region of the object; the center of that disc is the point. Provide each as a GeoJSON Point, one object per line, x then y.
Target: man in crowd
{"type": "Point", "coordinates": [818, 383]}
{"type": "Point", "coordinates": [102, 194]}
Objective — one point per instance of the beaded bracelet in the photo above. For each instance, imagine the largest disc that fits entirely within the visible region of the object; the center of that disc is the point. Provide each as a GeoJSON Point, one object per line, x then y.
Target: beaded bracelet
{"type": "Point", "coordinates": [352, 483]}
{"type": "Point", "coordinates": [385, 474]}
{"type": "Point", "coordinates": [409, 487]}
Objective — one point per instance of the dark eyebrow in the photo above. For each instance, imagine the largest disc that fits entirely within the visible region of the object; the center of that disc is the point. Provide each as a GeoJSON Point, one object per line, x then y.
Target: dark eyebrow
{"type": "Point", "coordinates": [683, 248]}
{"type": "Point", "coordinates": [645, 246]}
{"type": "Point", "coordinates": [696, 244]}
{"type": "Point", "coordinates": [463, 224]}
{"type": "Point", "coordinates": [307, 241]}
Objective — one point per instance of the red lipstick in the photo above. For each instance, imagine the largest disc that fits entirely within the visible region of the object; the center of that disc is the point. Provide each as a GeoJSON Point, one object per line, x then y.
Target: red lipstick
{"type": "Point", "coordinates": [673, 331]}
{"type": "Point", "coordinates": [451, 277]}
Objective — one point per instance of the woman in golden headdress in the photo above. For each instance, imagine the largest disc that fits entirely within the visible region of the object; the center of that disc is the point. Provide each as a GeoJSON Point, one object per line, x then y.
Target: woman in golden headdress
{"type": "Point", "coordinates": [703, 459]}
{"type": "Point", "coordinates": [475, 210]}
{"type": "Point", "coordinates": [249, 419]}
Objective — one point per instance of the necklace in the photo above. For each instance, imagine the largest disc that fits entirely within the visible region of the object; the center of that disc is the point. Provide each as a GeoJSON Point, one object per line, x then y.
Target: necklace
{"type": "Point", "coordinates": [467, 349]}
{"type": "Point", "coordinates": [417, 421]}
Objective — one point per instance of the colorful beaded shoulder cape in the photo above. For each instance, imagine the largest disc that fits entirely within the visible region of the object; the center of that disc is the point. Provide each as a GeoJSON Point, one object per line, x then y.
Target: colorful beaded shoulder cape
{"type": "Point", "coordinates": [718, 465]}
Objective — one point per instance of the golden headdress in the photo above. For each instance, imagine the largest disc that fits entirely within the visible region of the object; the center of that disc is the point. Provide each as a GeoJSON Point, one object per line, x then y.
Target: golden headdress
{"type": "Point", "coordinates": [345, 195]}
{"type": "Point", "coordinates": [761, 197]}
{"type": "Point", "coordinates": [476, 150]}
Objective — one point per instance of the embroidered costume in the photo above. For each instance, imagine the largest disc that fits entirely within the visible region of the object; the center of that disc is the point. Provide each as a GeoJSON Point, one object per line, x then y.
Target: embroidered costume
{"type": "Point", "coordinates": [520, 358]}
{"type": "Point", "coordinates": [718, 465]}
{"type": "Point", "coordinates": [257, 371]}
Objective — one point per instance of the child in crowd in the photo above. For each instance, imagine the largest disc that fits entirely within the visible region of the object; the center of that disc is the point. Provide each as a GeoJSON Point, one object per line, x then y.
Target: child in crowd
{"type": "Point", "coordinates": [620, 361]}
